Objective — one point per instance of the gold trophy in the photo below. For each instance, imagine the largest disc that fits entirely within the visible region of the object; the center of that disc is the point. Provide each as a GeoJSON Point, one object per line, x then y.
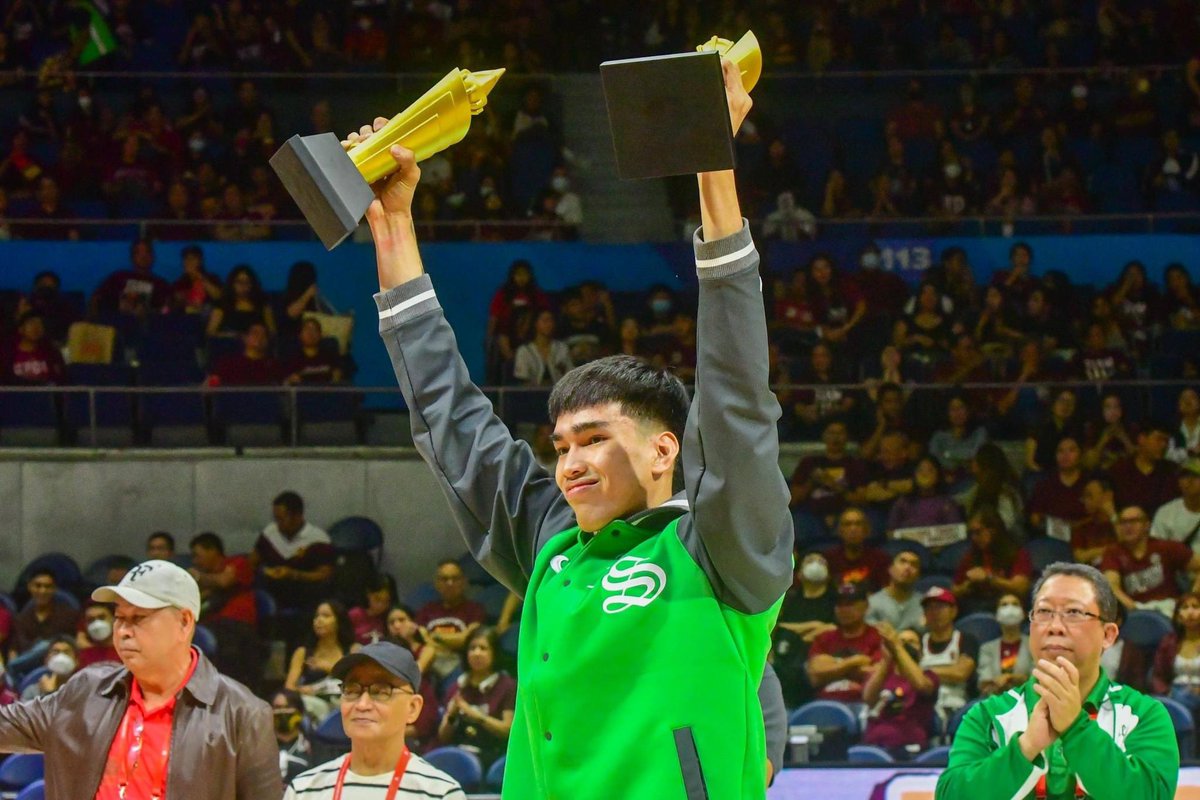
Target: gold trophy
{"type": "Point", "coordinates": [332, 184]}
{"type": "Point", "coordinates": [745, 53]}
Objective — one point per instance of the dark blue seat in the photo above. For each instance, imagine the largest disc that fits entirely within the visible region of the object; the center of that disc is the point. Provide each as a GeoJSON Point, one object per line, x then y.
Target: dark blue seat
{"type": "Point", "coordinates": [894, 547]}
{"type": "Point", "coordinates": [206, 640]}
{"type": "Point", "coordinates": [29, 409]}
{"type": "Point", "coordinates": [868, 754]}
{"type": "Point", "coordinates": [957, 718]}
{"type": "Point", "coordinates": [21, 769]}
{"type": "Point", "coordinates": [495, 774]}
{"type": "Point", "coordinates": [927, 582]}
{"type": "Point", "coordinates": [66, 571]}
{"type": "Point", "coordinates": [113, 409]}
{"type": "Point", "coordinates": [326, 406]}
{"type": "Point", "coordinates": [982, 626]}
{"type": "Point", "coordinates": [31, 677]}
{"type": "Point", "coordinates": [34, 791]}
{"type": "Point", "coordinates": [934, 757]}
{"type": "Point", "coordinates": [420, 595]}
{"type": "Point", "coordinates": [459, 764]}
{"type": "Point", "coordinates": [946, 561]}
{"type": "Point", "coordinates": [357, 534]}
{"type": "Point", "coordinates": [1044, 552]}
{"type": "Point", "coordinates": [330, 731]}
{"type": "Point", "coordinates": [1185, 725]}
{"type": "Point", "coordinates": [171, 408]}
{"type": "Point", "coordinates": [826, 714]}
{"type": "Point", "coordinates": [97, 572]}
{"type": "Point", "coordinates": [248, 408]}
{"type": "Point", "coordinates": [172, 337]}
{"type": "Point", "coordinates": [1145, 629]}
{"type": "Point", "coordinates": [492, 599]}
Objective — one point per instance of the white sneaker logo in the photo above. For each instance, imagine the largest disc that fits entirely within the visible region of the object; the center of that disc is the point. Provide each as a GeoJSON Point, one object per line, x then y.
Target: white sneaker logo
{"type": "Point", "coordinates": [637, 584]}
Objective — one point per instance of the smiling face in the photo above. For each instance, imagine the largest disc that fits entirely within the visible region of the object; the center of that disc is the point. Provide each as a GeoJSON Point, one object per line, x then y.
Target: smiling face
{"type": "Point", "coordinates": [366, 720]}
{"type": "Point", "coordinates": [611, 465]}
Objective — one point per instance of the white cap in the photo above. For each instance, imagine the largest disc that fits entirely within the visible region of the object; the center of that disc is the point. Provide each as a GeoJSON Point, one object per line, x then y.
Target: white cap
{"type": "Point", "coordinates": [154, 584]}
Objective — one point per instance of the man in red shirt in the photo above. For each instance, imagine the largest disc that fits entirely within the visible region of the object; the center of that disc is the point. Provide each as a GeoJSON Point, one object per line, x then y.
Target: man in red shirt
{"type": "Point", "coordinates": [1146, 479]}
{"type": "Point", "coordinates": [1142, 570]}
{"type": "Point", "coordinates": [452, 619]}
{"type": "Point", "coordinates": [841, 660]}
{"type": "Point", "coordinates": [163, 723]}
{"type": "Point", "coordinates": [135, 291]}
{"type": "Point", "coordinates": [1059, 495]}
{"type": "Point", "coordinates": [254, 366]}
{"type": "Point", "coordinates": [33, 361]}
{"type": "Point", "coordinates": [853, 561]}
{"type": "Point", "coordinates": [1091, 537]}
{"type": "Point", "coordinates": [821, 482]}
{"type": "Point", "coordinates": [228, 608]}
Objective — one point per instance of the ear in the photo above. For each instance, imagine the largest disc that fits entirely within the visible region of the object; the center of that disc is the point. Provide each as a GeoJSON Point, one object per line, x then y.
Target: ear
{"type": "Point", "coordinates": [666, 453]}
{"type": "Point", "coordinates": [414, 707]}
{"type": "Point", "coordinates": [1111, 631]}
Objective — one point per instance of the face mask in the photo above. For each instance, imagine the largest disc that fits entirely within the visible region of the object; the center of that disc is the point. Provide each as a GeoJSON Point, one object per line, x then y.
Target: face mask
{"type": "Point", "coordinates": [287, 724]}
{"type": "Point", "coordinates": [660, 306]}
{"type": "Point", "coordinates": [953, 171]}
{"type": "Point", "coordinates": [560, 183]}
{"type": "Point", "coordinates": [61, 664]}
{"type": "Point", "coordinates": [870, 261]}
{"type": "Point", "coordinates": [1009, 615]}
{"type": "Point", "coordinates": [99, 629]}
{"type": "Point", "coordinates": [815, 572]}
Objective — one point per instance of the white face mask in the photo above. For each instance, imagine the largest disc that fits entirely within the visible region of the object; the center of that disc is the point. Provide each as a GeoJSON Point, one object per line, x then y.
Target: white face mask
{"type": "Point", "coordinates": [953, 171]}
{"type": "Point", "coordinates": [99, 629]}
{"type": "Point", "coordinates": [61, 664]}
{"type": "Point", "coordinates": [815, 572]}
{"type": "Point", "coordinates": [559, 183]}
{"type": "Point", "coordinates": [1009, 615]}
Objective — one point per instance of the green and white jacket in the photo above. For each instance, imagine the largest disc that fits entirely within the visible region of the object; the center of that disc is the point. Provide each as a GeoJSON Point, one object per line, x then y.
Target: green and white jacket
{"type": "Point", "coordinates": [1122, 746]}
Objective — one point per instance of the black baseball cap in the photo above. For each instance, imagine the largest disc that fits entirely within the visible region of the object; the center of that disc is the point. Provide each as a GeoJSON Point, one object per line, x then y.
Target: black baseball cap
{"type": "Point", "coordinates": [392, 657]}
{"type": "Point", "coordinates": [850, 593]}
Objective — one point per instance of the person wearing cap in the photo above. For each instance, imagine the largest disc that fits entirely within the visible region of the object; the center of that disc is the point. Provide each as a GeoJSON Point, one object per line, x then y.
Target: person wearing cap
{"type": "Point", "coordinates": [1179, 520]}
{"type": "Point", "coordinates": [948, 653]}
{"type": "Point", "coordinates": [840, 660]}
{"type": "Point", "coordinates": [624, 576]}
{"type": "Point", "coordinates": [161, 724]}
{"type": "Point", "coordinates": [381, 697]}
{"type": "Point", "coordinates": [1068, 731]}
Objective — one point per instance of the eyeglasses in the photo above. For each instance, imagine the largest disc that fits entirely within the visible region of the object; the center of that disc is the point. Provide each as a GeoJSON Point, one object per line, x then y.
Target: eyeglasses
{"type": "Point", "coordinates": [1071, 617]}
{"type": "Point", "coordinates": [379, 692]}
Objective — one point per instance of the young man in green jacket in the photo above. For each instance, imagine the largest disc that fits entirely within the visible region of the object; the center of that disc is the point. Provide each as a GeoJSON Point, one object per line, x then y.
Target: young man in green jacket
{"type": "Point", "coordinates": [1068, 731]}
{"type": "Point", "coordinates": [648, 613]}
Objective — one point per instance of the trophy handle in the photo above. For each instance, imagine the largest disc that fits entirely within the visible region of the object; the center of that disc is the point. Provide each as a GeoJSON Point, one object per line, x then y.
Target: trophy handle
{"type": "Point", "coordinates": [746, 53]}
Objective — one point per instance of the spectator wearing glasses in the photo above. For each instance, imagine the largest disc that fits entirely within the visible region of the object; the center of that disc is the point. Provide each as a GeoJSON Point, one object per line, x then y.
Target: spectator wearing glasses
{"type": "Point", "coordinates": [1141, 570]}
{"type": "Point", "coordinates": [380, 698]}
{"type": "Point", "coordinates": [1068, 727]}
{"type": "Point", "coordinates": [451, 619]}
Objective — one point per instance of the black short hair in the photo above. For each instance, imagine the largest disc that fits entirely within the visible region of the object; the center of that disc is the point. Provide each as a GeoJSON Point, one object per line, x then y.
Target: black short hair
{"type": "Point", "coordinates": [162, 535]}
{"type": "Point", "coordinates": [1106, 599]}
{"type": "Point", "coordinates": [47, 273]}
{"type": "Point", "coordinates": [192, 250]}
{"type": "Point", "coordinates": [208, 541]}
{"type": "Point", "coordinates": [1106, 484]}
{"type": "Point", "coordinates": [644, 392]}
{"type": "Point", "coordinates": [41, 572]}
{"type": "Point", "coordinates": [293, 502]}
{"type": "Point", "coordinates": [1021, 246]}
{"type": "Point", "coordinates": [292, 697]}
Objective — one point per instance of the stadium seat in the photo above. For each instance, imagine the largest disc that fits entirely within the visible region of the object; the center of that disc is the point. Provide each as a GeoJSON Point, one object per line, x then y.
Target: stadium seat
{"type": "Point", "coordinates": [946, 560]}
{"type": "Point", "coordinates": [358, 534]}
{"type": "Point", "coordinates": [21, 769]}
{"type": "Point", "coordinates": [1185, 725]}
{"type": "Point", "coordinates": [934, 757]}
{"type": "Point", "coordinates": [34, 791]}
{"type": "Point", "coordinates": [868, 754]}
{"type": "Point", "coordinates": [329, 730]}
{"type": "Point", "coordinates": [927, 582]}
{"type": "Point", "coordinates": [423, 593]}
{"type": "Point", "coordinates": [508, 640]}
{"type": "Point", "coordinates": [265, 605]}
{"type": "Point", "coordinates": [982, 626]}
{"type": "Point", "coordinates": [7, 602]}
{"type": "Point", "coordinates": [1044, 552]}
{"type": "Point", "coordinates": [205, 640]}
{"type": "Point", "coordinates": [97, 572]}
{"type": "Point", "coordinates": [492, 599]}
{"type": "Point", "coordinates": [1145, 629]}
{"type": "Point", "coordinates": [495, 774]}
{"type": "Point", "coordinates": [826, 714]}
{"type": "Point", "coordinates": [114, 409]}
{"type": "Point", "coordinates": [956, 719]}
{"type": "Point", "coordinates": [459, 764]}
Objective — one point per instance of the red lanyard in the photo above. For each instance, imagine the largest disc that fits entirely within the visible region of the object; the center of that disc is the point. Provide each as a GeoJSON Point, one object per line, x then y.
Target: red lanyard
{"type": "Point", "coordinates": [134, 753]}
{"type": "Point", "coordinates": [1041, 784]}
{"type": "Point", "coordinates": [394, 787]}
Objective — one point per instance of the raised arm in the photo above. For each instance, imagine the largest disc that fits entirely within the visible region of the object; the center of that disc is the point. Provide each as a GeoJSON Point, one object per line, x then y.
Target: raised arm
{"type": "Point", "coordinates": [740, 530]}
{"type": "Point", "coordinates": [500, 497]}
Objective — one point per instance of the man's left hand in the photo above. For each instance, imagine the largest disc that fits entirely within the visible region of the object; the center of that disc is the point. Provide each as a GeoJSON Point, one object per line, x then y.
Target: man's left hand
{"type": "Point", "coordinates": [1058, 684]}
{"type": "Point", "coordinates": [736, 94]}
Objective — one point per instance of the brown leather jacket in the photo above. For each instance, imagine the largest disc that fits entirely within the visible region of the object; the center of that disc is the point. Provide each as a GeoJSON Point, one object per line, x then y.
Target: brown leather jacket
{"type": "Point", "coordinates": [222, 742]}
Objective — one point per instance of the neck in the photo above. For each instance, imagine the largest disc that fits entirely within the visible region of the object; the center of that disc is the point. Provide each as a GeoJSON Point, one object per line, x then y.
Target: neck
{"type": "Point", "coordinates": [941, 634]}
{"type": "Point", "coordinates": [1010, 634]}
{"type": "Point", "coordinates": [1191, 633]}
{"type": "Point", "coordinates": [328, 640]}
{"type": "Point", "coordinates": [1138, 548]}
{"type": "Point", "coordinates": [899, 592]}
{"type": "Point", "coordinates": [311, 351]}
{"type": "Point", "coordinates": [850, 631]}
{"type": "Point", "coordinates": [814, 589]}
{"type": "Point", "coordinates": [376, 756]}
{"type": "Point", "coordinates": [1144, 462]}
{"type": "Point", "coordinates": [1068, 476]}
{"type": "Point", "coordinates": [478, 676]}
{"type": "Point", "coordinates": [853, 550]}
{"type": "Point", "coordinates": [159, 684]}
{"type": "Point", "coordinates": [1191, 503]}
{"type": "Point", "coordinates": [1088, 682]}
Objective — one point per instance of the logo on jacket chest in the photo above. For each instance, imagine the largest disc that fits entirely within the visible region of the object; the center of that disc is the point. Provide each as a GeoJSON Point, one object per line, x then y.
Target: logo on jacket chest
{"type": "Point", "coordinates": [634, 582]}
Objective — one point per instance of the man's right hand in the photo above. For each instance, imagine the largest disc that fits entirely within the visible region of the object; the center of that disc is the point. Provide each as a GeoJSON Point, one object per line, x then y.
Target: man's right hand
{"type": "Point", "coordinates": [394, 194]}
{"type": "Point", "coordinates": [1039, 734]}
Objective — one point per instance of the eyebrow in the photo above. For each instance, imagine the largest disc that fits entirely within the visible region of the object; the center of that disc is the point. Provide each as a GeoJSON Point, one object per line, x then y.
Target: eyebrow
{"type": "Point", "coordinates": [580, 427]}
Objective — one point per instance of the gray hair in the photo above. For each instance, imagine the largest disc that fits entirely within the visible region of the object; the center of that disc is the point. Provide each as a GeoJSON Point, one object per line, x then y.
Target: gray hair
{"type": "Point", "coordinates": [1106, 599]}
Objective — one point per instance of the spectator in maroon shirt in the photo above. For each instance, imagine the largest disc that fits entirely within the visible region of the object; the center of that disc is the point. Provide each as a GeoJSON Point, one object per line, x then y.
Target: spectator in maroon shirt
{"type": "Point", "coordinates": [824, 396]}
{"type": "Point", "coordinates": [900, 695]}
{"type": "Point", "coordinates": [853, 561]}
{"type": "Point", "coordinates": [1017, 281]}
{"type": "Point", "coordinates": [511, 313]}
{"type": "Point", "coordinates": [1059, 494]}
{"type": "Point", "coordinates": [228, 607]}
{"type": "Point", "coordinates": [1093, 535]}
{"type": "Point", "coordinates": [46, 218]}
{"type": "Point", "coordinates": [47, 299]}
{"type": "Point", "coordinates": [33, 361]}
{"type": "Point", "coordinates": [254, 366]}
{"type": "Point", "coordinates": [1110, 438]}
{"type": "Point", "coordinates": [44, 617]}
{"type": "Point", "coordinates": [840, 661]}
{"type": "Point", "coordinates": [1143, 571]}
{"type": "Point", "coordinates": [678, 353]}
{"type": "Point", "coordinates": [889, 476]}
{"type": "Point", "coordinates": [94, 643]}
{"type": "Point", "coordinates": [1146, 479]}
{"type": "Point", "coordinates": [993, 565]}
{"type": "Point", "coordinates": [837, 304]}
{"type": "Point", "coordinates": [481, 703]}
{"type": "Point", "coordinates": [1042, 442]}
{"type": "Point", "coordinates": [890, 418]}
{"type": "Point", "coordinates": [1135, 302]}
{"type": "Point", "coordinates": [296, 560]}
{"type": "Point", "coordinates": [451, 619]}
{"type": "Point", "coordinates": [820, 482]}
{"type": "Point", "coordinates": [370, 621]}
{"type": "Point", "coordinates": [133, 291]}
{"type": "Point", "coordinates": [928, 504]}
{"type": "Point", "coordinates": [197, 289]}
{"type": "Point", "coordinates": [312, 364]}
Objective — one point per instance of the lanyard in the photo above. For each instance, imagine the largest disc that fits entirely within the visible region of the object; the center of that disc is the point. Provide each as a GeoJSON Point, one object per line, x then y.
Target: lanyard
{"type": "Point", "coordinates": [134, 752]}
{"type": "Point", "coordinates": [1040, 789]}
{"type": "Point", "coordinates": [393, 787]}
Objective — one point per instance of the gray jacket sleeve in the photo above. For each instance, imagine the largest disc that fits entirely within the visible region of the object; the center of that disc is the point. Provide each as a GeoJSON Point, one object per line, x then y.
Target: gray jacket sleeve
{"type": "Point", "coordinates": [503, 502]}
{"type": "Point", "coordinates": [770, 697]}
{"type": "Point", "coordinates": [740, 529]}
{"type": "Point", "coordinates": [258, 755]}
